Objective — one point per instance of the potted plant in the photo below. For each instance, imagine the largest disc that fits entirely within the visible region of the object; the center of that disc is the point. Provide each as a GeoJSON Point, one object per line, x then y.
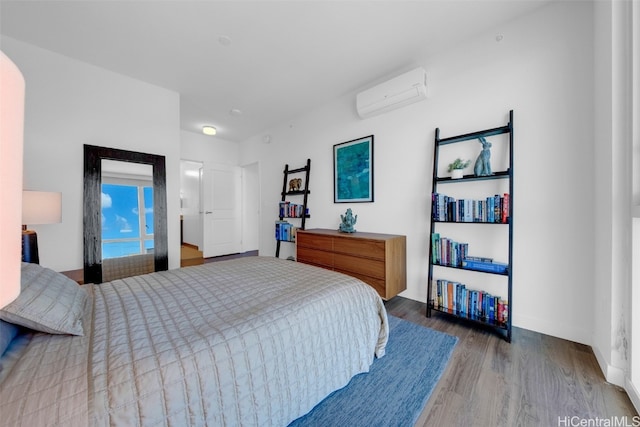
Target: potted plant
{"type": "Point", "coordinates": [457, 166]}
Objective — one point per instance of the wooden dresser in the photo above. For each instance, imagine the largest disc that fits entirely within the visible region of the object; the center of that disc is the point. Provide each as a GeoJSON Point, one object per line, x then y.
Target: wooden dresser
{"type": "Point", "coordinates": [377, 259]}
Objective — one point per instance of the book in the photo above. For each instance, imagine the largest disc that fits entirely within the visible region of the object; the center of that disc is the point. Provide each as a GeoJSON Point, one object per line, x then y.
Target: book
{"type": "Point", "coordinates": [497, 208]}
{"type": "Point", "coordinates": [491, 216]}
{"type": "Point", "coordinates": [505, 208]}
{"type": "Point", "coordinates": [505, 312]}
{"type": "Point", "coordinates": [478, 258]}
{"type": "Point", "coordinates": [468, 210]}
{"type": "Point", "coordinates": [491, 267]}
{"type": "Point", "coordinates": [491, 315]}
{"type": "Point", "coordinates": [435, 238]}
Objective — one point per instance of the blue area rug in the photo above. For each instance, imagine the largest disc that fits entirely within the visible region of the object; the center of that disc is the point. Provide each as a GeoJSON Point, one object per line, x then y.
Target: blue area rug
{"type": "Point", "coordinates": [397, 386]}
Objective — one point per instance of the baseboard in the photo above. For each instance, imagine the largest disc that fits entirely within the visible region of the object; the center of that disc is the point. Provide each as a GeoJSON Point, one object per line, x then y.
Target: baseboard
{"type": "Point", "coordinates": [634, 396]}
{"type": "Point", "coordinates": [613, 375]}
{"type": "Point", "coordinates": [575, 333]}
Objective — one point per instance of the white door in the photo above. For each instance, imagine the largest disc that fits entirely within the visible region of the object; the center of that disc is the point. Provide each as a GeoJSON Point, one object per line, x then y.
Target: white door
{"type": "Point", "coordinates": [222, 214]}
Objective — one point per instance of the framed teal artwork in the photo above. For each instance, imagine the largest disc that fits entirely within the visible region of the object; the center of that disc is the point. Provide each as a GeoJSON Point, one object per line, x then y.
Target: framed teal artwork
{"type": "Point", "coordinates": [353, 171]}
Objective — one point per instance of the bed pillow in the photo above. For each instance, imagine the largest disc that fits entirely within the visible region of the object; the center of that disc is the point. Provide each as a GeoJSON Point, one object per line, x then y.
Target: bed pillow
{"type": "Point", "coordinates": [48, 302]}
{"type": "Point", "coordinates": [8, 331]}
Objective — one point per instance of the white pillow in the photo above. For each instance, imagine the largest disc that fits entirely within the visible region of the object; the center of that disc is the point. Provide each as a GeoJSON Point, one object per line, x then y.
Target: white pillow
{"type": "Point", "coordinates": [48, 302]}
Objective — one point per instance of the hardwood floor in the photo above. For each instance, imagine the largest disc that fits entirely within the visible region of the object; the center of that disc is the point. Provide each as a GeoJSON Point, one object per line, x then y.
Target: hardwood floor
{"type": "Point", "coordinates": [190, 255]}
{"type": "Point", "coordinates": [232, 256]}
{"type": "Point", "coordinates": [536, 380]}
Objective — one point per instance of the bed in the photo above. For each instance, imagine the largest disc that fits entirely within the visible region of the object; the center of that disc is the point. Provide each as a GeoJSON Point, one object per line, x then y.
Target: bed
{"type": "Point", "coordinates": [255, 341]}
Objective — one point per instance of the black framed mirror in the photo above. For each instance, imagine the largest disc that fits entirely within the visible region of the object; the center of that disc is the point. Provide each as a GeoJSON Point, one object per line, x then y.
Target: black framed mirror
{"type": "Point", "coordinates": [92, 206]}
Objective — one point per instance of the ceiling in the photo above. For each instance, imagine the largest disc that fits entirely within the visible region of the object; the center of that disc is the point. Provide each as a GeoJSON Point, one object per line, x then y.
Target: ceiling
{"type": "Point", "coordinates": [271, 60]}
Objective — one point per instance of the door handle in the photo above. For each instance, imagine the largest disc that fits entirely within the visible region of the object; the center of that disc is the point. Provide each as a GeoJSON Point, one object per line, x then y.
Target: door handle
{"type": "Point", "coordinates": [208, 212]}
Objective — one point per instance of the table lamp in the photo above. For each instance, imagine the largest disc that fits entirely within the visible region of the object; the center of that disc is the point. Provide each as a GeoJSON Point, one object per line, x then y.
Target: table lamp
{"type": "Point", "coordinates": [38, 207]}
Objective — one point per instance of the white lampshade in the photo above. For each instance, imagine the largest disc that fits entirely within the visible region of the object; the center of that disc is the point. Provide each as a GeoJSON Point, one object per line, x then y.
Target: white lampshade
{"type": "Point", "coordinates": [41, 207]}
{"type": "Point", "coordinates": [11, 137]}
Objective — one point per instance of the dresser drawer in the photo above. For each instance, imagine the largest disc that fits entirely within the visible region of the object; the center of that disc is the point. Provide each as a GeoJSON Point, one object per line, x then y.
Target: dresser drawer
{"type": "Point", "coordinates": [315, 241]}
{"type": "Point", "coordinates": [368, 267]}
{"type": "Point", "coordinates": [363, 247]}
{"type": "Point", "coordinates": [315, 257]}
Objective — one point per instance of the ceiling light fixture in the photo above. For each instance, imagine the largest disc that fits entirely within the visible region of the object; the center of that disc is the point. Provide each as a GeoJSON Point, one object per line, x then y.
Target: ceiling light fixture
{"type": "Point", "coordinates": [209, 130]}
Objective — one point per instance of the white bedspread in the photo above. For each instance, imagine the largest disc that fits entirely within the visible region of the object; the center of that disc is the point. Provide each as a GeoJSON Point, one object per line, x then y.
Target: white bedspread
{"type": "Point", "coordinates": [251, 342]}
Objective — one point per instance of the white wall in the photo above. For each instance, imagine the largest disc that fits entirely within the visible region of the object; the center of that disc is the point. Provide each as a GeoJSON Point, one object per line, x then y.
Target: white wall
{"type": "Point", "coordinates": [542, 69]}
{"type": "Point", "coordinates": [71, 103]}
{"type": "Point", "coordinates": [210, 149]}
{"type": "Point", "coordinates": [614, 187]}
{"type": "Point", "coordinates": [633, 384]}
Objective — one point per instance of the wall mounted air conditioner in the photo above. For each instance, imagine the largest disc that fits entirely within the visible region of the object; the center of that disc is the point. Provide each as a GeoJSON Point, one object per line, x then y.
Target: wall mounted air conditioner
{"type": "Point", "coordinates": [403, 90]}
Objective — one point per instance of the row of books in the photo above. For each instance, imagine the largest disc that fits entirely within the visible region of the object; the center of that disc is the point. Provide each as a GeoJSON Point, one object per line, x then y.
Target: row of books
{"type": "Point", "coordinates": [292, 210]}
{"type": "Point", "coordinates": [492, 209]}
{"type": "Point", "coordinates": [470, 303]}
{"type": "Point", "coordinates": [285, 231]}
{"type": "Point", "coordinates": [445, 251]}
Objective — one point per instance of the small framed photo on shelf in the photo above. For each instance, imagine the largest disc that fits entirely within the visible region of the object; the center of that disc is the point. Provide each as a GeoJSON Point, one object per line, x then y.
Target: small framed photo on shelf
{"type": "Point", "coordinates": [353, 171]}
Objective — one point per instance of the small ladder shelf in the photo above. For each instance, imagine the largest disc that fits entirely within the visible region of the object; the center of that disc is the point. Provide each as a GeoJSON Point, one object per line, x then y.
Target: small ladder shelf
{"type": "Point", "coordinates": [503, 327]}
{"type": "Point", "coordinates": [304, 192]}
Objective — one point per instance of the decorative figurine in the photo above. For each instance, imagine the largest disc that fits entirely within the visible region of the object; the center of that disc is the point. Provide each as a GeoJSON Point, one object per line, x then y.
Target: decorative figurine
{"type": "Point", "coordinates": [295, 184]}
{"type": "Point", "coordinates": [348, 221]}
{"type": "Point", "coordinates": [483, 164]}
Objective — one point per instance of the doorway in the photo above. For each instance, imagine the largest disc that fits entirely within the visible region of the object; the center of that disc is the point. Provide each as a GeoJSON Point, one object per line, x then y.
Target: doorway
{"type": "Point", "coordinates": [220, 210]}
{"type": "Point", "coordinates": [191, 234]}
